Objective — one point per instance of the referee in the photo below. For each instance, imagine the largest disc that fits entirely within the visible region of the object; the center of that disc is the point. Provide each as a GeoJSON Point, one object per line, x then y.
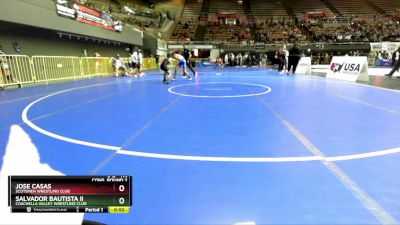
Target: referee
{"type": "Point", "coordinates": [187, 54]}
{"type": "Point", "coordinates": [396, 63]}
{"type": "Point", "coordinates": [294, 58]}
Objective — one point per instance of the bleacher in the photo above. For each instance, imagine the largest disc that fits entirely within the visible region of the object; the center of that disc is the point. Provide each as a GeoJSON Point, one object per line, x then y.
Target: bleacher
{"type": "Point", "coordinates": [278, 34]}
{"type": "Point", "coordinates": [217, 32]}
{"type": "Point", "coordinates": [192, 10]}
{"type": "Point", "coordinates": [301, 7]}
{"type": "Point", "coordinates": [227, 33]}
{"type": "Point", "coordinates": [190, 15]}
{"type": "Point", "coordinates": [262, 9]}
{"type": "Point", "coordinates": [353, 7]}
{"type": "Point", "coordinates": [390, 6]}
{"type": "Point", "coordinates": [217, 6]}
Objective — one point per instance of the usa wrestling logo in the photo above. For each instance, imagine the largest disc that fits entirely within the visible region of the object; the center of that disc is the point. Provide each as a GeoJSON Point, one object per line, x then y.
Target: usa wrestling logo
{"type": "Point", "coordinates": [336, 67]}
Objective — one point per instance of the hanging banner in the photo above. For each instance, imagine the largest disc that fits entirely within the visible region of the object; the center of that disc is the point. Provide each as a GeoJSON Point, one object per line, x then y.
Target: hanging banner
{"type": "Point", "coordinates": [88, 15]}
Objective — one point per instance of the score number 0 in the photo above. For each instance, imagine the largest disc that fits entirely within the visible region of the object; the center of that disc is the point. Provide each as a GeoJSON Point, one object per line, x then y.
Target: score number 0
{"type": "Point", "coordinates": [121, 200]}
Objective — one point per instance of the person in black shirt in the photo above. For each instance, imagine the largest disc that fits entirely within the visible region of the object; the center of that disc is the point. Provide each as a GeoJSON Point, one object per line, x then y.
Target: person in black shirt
{"type": "Point", "coordinates": [188, 57]}
{"type": "Point", "coordinates": [396, 63]}
{"type": "Point", "coordinates": [294, 58]}
{"type": "Point", "coordinates": [167, 72]}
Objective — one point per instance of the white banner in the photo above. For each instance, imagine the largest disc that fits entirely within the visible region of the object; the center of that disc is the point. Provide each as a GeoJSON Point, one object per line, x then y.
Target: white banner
{"type": "Point", "coordinates": [349, 68]}
{"type": "Point", "coordinates": [376, 47]}
{"type": "Point", "coordinates": [65, 11]}
{"type": "Point", "coordinates": [190, 46]}
{"type": "Point", "coordinates": [386, 46]}
{"type": "Point", "coordinates": [392, 46]}
{"type": "Point", "coordinates": [304, 66]}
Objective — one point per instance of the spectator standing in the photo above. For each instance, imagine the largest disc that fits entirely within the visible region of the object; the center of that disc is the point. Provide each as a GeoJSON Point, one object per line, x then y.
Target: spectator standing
{"type": "Point", "coordinates": [99, 62]}
{"type": "Point", "coordinates": [308, 53]}
{"type": "Point", "coordinates": [5, 75]}
{"type": "Point", "coordinates": [239, 59]}
{"type": "Point", "coordinates": [232, 59]}
{"type": "Point", "coordinates": [117, 64]}
{"type": "Point", "coordinates": [140, 64]}
{"type": "Point", "coordinates": [326, 58]}
{"type": "Point", "coordinates": [246, 59]}
{"type": "Point", "coordinates": [2, 74]}
{"type": "Point", "coordinates": [134, 59]}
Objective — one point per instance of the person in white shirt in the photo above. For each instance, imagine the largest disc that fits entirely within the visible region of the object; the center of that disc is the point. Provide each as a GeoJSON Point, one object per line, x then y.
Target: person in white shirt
{"type": "Point", "coordinates": [239, 59]}
{"type": "Point", "coordinates": [117, 65]}
{"type": "Point", "coordinates": [99, 62]}
{"type": "Point", "coordinates": [285, 69]}
{"type": "Point", "coordinates": [139, 72]}
{"type": "Point", "coordinates": [134, 59]}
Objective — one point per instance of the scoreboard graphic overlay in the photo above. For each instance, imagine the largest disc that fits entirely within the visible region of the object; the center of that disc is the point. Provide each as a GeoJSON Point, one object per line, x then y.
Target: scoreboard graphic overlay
{"type": "Point", "coordinates": [79, 194]}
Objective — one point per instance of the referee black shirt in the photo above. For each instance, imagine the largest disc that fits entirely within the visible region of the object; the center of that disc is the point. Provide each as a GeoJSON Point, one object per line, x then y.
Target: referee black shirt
{"type": "Point", "coordinates": [186, 53]}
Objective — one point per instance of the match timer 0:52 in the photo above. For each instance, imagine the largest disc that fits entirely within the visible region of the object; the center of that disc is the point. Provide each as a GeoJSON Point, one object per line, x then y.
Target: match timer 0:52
{"type": "Point", "coordinates": [118, 209]}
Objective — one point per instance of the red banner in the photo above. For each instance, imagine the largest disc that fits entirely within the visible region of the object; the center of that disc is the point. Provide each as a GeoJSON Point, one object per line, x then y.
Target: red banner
{"type": "Point", "coordinates": [87, 10]}
{"type": "Point", "coordinates": [89, 16]}
{"type": "Point", "coordinates": [95, 24]}
{"type": "Point", "coordinates": [315, 14]}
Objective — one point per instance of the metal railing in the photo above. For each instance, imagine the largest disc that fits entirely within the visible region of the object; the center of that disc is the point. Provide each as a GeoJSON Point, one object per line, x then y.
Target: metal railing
{"type": "Point", "coordinates": [149, 63]}
{"type": "Point", "coordinates": [15, 69]}
{"type": "Point", "coordinates": [51, 68]}
{"type": "Point", "coordinates": [22, 69]}
{"type": "Point", "coordinates": [96, 66]}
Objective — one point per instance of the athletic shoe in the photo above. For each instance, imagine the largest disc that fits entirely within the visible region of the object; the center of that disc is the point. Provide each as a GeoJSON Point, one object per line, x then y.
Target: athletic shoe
{"type": "Point", "coordinates": [388, 75]}
{"type": "Point", "coordinates": [190, 78]}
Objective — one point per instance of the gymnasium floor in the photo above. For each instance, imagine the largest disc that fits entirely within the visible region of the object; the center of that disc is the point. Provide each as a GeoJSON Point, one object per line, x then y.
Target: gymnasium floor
{"type": "Point", "coordinates": [232, 146]}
